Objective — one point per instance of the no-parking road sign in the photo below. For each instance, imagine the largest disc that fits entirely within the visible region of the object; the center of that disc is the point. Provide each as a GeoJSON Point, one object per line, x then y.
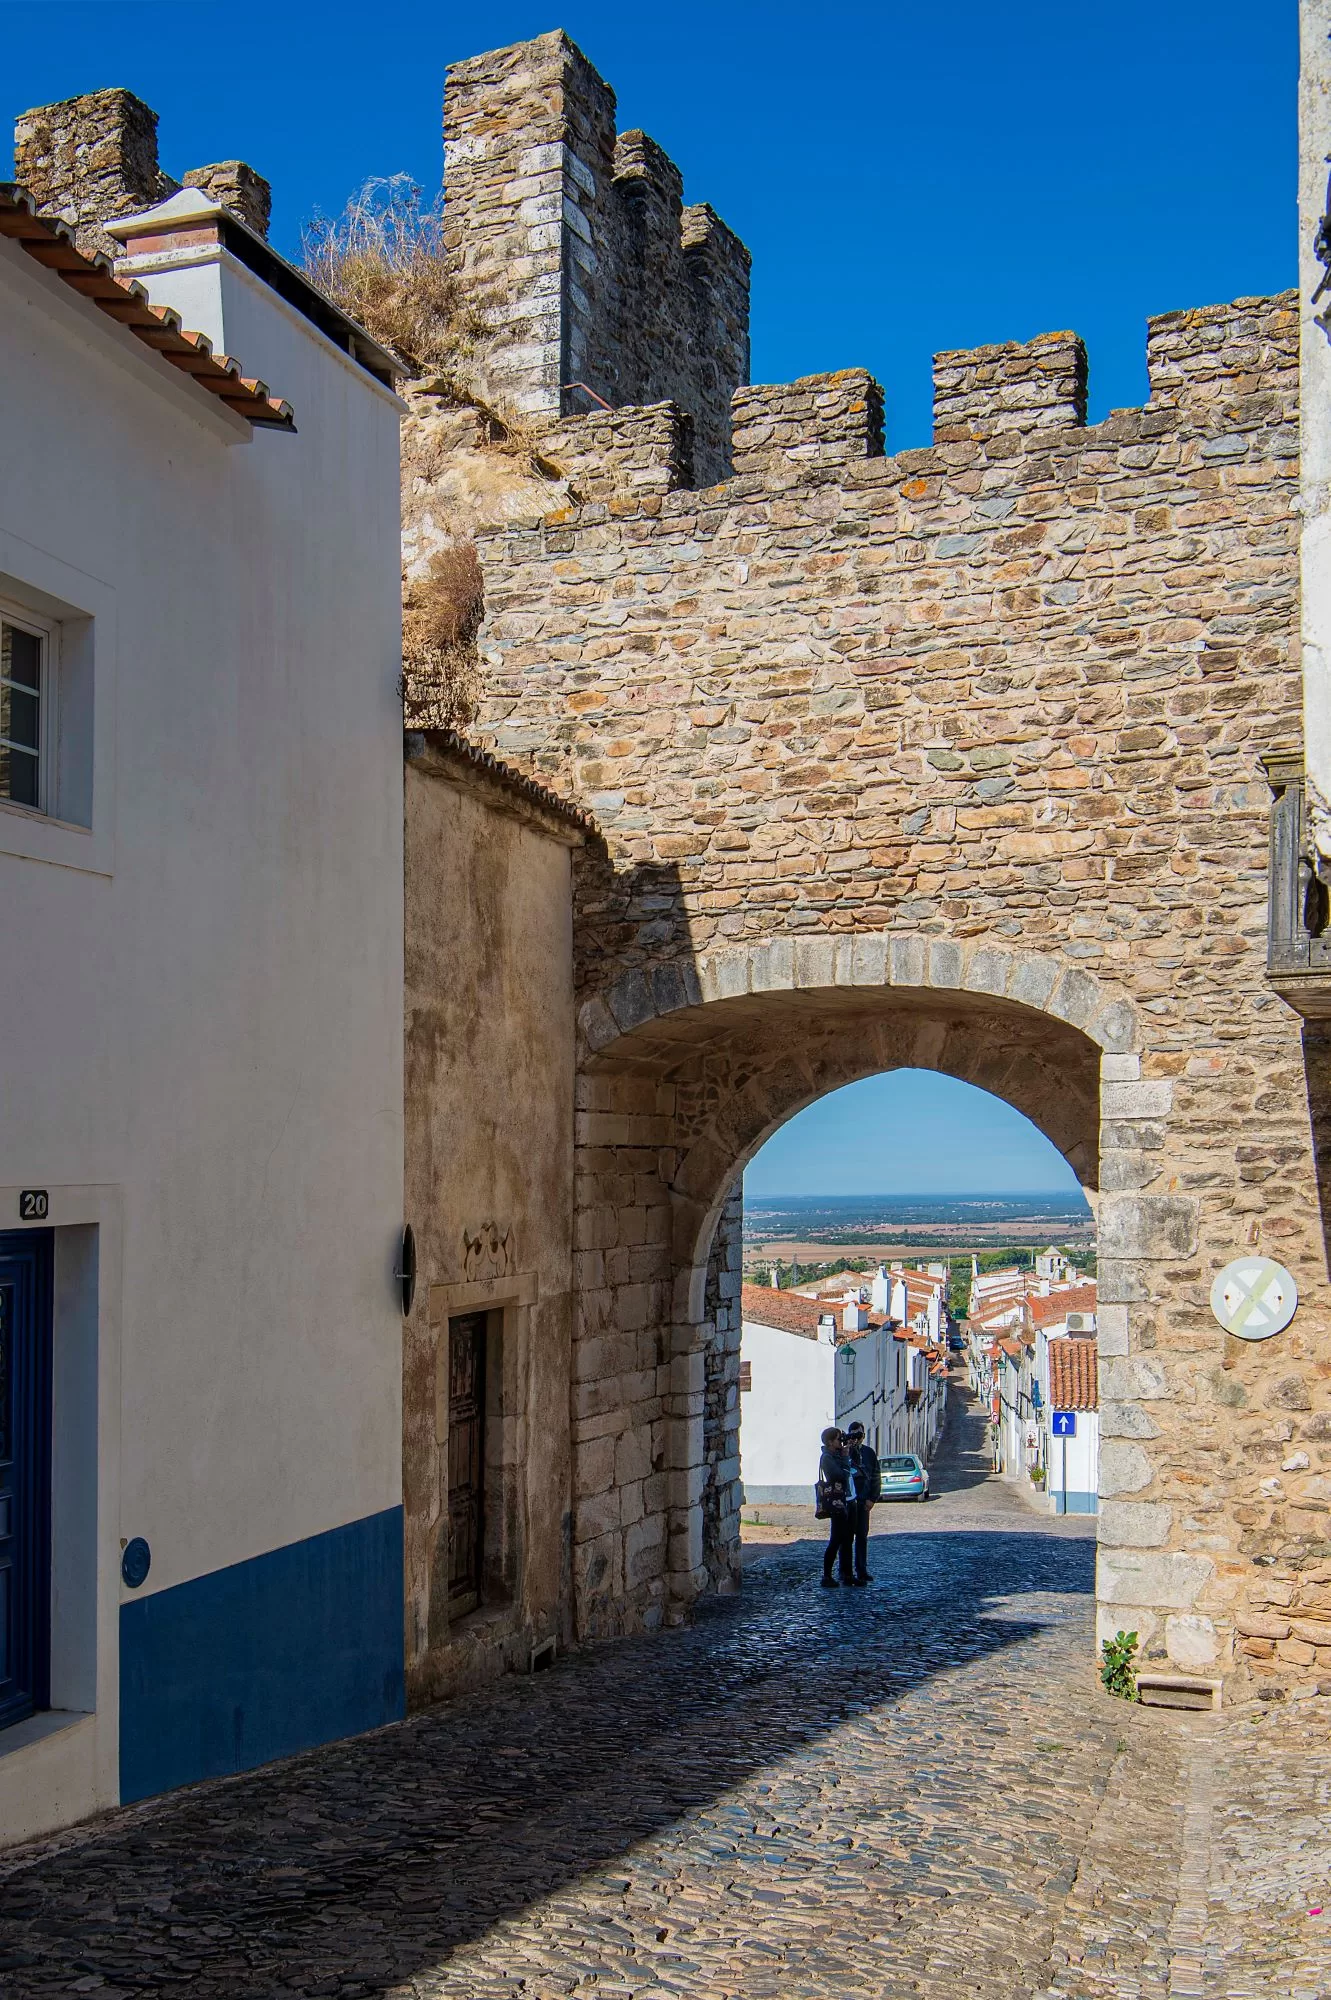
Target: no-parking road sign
{"type": "Point", "coordinates": [1254, 1297]}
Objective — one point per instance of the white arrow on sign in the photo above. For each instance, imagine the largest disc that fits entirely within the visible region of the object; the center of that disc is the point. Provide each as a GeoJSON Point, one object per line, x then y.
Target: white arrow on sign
{"type": "Point", "coordinates": [1254, 1297]}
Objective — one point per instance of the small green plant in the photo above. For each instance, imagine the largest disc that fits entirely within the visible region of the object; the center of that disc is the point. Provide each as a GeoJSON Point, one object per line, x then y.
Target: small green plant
{"type": "Point", "coordinates": [1116, 1669]}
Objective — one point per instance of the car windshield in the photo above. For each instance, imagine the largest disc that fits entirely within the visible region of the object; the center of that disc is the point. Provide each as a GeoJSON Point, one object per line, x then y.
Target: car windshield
{"type": "Point", "coordinates": [901, 1465]}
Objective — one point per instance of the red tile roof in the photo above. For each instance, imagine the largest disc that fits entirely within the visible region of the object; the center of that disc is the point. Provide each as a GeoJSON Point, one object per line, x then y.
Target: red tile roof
{"type": "Point", "coordinates": [1053, 1309]}
{"type": "Point", "coordinates": [50, 242]}
{"type": "Point", "coordinates": [1073, 1383]}
{"type": "Point", "coordinates": [786, 1311]}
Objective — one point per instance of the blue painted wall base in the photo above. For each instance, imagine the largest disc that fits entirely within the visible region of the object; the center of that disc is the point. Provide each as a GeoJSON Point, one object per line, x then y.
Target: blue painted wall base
{"type": "Point", "coordinates": [1076, 1503]}
{"type": "Point", "coordinates": [263, 1659]}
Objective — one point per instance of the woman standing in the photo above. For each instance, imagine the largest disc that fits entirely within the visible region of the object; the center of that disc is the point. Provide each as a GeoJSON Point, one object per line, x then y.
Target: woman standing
{"type": "Point", "coordinates": [836, 1497]}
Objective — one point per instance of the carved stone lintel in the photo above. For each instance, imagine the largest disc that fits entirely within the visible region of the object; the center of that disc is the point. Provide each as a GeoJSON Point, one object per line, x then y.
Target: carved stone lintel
{"type": "Point", "coordinates": [490, 1253]}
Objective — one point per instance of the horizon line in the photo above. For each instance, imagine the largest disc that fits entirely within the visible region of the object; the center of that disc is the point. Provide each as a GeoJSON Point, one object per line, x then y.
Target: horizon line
{"type": "Point", "coordinates": [936, 1194]}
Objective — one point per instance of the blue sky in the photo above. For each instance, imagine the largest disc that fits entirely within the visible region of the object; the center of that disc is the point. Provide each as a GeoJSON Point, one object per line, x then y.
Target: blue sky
{"type": "Point", "coordinates": [909, 177]}
{"type": "Point", "coordinates": [909, 1132]}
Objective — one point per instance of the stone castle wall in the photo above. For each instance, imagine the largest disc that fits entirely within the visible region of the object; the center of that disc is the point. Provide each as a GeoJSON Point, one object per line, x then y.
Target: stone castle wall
{"type": "Point", "coordinates": [954, 757]}
{"type": "Point", "coordinates": [576, 243]}
{"type": "Point", "coordinates": [94, 157]}
{"type": "Point", "coordinates": [950, 759]}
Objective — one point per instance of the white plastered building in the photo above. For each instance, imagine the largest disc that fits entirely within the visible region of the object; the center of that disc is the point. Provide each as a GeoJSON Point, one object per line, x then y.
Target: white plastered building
{"type": "Point", "coordinates": [201, 1085]}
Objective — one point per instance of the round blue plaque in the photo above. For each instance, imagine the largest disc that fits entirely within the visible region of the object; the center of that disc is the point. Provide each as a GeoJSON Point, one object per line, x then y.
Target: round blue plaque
{"type": "Point", "coordinates": [136, 1562]}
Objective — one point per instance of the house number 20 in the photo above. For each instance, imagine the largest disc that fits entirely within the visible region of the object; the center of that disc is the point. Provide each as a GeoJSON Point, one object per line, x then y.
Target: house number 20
{"type": "Point", "coordinates": [34, 1205]}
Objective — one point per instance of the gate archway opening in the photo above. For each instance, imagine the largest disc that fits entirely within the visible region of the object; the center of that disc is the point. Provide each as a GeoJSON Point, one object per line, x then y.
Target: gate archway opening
{"type": "Point", "coordinates": [681, 1084]}
{"type": "Point", "coordinates": [862, 1217]}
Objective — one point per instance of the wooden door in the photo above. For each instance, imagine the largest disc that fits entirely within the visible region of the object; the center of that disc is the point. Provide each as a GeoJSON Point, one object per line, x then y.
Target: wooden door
{"type": "Point", "coordinates": [466, 1459]}
{"type": "Point", "coordinates": [25, 1480]}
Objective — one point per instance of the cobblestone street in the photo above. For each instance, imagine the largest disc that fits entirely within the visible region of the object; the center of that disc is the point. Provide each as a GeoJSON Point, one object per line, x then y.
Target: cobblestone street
{"type": "Point", "coordinates": [912, 1789]}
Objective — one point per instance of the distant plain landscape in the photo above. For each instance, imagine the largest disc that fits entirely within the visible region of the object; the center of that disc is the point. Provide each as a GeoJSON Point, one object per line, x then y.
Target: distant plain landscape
{"type": "Point", "coordinates": [817, 1229]}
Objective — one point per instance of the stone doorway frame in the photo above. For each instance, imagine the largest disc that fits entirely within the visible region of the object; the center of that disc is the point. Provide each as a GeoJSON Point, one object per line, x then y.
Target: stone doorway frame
{"type": "Point", "coordinates": [507, 1302]}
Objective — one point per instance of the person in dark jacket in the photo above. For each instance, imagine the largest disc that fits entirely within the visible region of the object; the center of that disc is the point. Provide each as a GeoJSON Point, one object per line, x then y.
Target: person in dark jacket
{"type": "Point", "coordinates": [868, 1488]}
{"type": "Point", "coordinates": [837, 1479]}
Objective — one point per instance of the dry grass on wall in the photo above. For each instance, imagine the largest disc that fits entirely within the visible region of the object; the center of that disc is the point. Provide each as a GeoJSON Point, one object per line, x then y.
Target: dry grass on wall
{"type": "Point", "coordinates": [442, 610]}
{"type": "Point", "coordinates": [383, 261]}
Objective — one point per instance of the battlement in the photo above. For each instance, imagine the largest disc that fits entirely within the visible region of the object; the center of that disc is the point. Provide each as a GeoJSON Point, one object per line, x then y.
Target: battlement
{"type": "Point", "coordinates": [1006, 393]}
{"type": "Point", "coordinates": [819, 420]}
{"type": "Point", "coordinates": [575, 241]}
{"type": "Point", "coordinates": [624, 453]}
{"type": "Point", "coordinates": [1224, 367]}
{"type": "Point", "coordinates": [91, 158]}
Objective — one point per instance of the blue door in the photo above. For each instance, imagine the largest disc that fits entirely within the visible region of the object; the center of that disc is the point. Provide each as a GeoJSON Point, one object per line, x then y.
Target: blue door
{"type": "Point", "coordinates": [25, 1471]}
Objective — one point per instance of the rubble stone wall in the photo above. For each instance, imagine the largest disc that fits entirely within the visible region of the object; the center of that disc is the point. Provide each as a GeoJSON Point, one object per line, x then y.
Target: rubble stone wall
{"type": "Point", "coordinates": [984, 718]}
{"type": "Point", "coordinates": [93, 157]}
{"type": "Point", "coordinates": [576, 243]}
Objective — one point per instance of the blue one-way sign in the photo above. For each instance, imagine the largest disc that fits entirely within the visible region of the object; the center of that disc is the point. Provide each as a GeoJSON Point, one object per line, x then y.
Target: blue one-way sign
{"type": "Point", "coordinates": [1065, 1423]}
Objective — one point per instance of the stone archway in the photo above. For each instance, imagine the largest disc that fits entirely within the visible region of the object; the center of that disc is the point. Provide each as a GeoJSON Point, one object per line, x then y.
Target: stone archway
{"type": "Point", "coordinates": [682, 1078]}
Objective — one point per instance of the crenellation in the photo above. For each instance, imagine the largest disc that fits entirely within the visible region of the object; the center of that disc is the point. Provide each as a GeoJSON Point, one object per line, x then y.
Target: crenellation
{"type": "Point", "coordinates": [575, 241]}
{"type": "Point", "coordinates": [91, 158]}
{"type": "Point", "coordinates": [1011, 392]}
{"type": "Point", "coordinates": [238, 188]}
{"type": "Point", "coordinates": [624, 454]}
{"type": "Point", "coordinates": [821, 420]}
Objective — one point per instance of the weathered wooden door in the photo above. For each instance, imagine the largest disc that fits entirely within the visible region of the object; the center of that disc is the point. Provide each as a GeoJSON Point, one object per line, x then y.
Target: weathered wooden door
{"type": "Point", "coordinates": [25, 1477]}
{"type": "Point", "coordinates": [466, 1459]}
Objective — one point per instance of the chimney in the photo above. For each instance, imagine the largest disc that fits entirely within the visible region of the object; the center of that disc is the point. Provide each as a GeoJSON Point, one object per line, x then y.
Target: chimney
{"type": "Point", "coordinates": [853, 1317]}
{"type": "Point", "coordinates": [880, 1292]}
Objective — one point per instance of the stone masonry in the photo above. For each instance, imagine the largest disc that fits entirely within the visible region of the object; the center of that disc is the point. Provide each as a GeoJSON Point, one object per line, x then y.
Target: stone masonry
{"type": "Point", "coordinates": [93, 157]}
{"type": "Point", "coordinates": [951, 758]}
{"type": "Point", "coordinates": [577, 245]}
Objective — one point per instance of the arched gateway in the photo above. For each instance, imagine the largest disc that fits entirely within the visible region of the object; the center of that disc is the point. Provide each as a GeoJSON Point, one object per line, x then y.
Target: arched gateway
{"type": "Point", "coordinates": [679, 1088]}
{"type": "Point", "coordinates": [955, 758]}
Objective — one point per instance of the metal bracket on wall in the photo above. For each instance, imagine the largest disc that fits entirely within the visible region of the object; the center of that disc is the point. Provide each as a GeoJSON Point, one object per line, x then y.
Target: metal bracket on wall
{"type": "Point", "coordinates": [1322, 252]}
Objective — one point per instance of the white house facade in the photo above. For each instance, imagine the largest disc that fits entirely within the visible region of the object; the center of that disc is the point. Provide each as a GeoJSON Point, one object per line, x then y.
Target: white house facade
{"type": "Point", "coordinates": [201, 1091]}
{"type": "Point", "coordinates": [809, 1362]}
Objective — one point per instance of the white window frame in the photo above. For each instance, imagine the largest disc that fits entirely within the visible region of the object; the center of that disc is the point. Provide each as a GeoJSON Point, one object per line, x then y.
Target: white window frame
{"type": "Point", "coordinates": [48, 631]}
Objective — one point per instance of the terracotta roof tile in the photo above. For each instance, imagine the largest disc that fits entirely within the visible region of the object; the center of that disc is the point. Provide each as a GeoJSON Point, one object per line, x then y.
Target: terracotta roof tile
{"type": "Point", "coordinates": [449, 744]}
{"type": "Point", "coordinates": [788, 1312]}
{"type": "Point", "coordinates": [1050, 1310]}
{"type": "Point", "coordinates": [50, 242]}
{"type": "Point", "coordinates": [1073, 1374]}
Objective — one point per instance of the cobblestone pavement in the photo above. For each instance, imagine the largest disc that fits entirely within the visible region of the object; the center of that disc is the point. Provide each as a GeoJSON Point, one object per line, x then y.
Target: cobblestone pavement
{"type": "Point", "coordinates": [915, 1789]}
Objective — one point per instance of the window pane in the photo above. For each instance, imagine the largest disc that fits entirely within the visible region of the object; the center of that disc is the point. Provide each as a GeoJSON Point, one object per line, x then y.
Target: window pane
{"type": "Point", "coordinates": [18, 776]}
{"type": "Point", "coordinates": [20, 656]}
{"type": "Point", "coordinates": [18, 717]}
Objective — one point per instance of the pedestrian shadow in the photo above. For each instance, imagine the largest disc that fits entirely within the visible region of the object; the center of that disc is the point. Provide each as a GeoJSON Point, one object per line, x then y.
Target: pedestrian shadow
{"type": "Point", "coordinates": [356, 1868]}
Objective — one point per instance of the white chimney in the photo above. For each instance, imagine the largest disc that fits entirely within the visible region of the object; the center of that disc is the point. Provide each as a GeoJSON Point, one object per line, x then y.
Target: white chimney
{"type": "Point", "coordinates": [854, 1318]}
{"type": "Point", "coordinates": [827, 1329]}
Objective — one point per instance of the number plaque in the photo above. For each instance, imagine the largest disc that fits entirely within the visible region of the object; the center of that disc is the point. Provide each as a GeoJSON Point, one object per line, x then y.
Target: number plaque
{"type": "Point", "coordinates": [34, 1205]}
